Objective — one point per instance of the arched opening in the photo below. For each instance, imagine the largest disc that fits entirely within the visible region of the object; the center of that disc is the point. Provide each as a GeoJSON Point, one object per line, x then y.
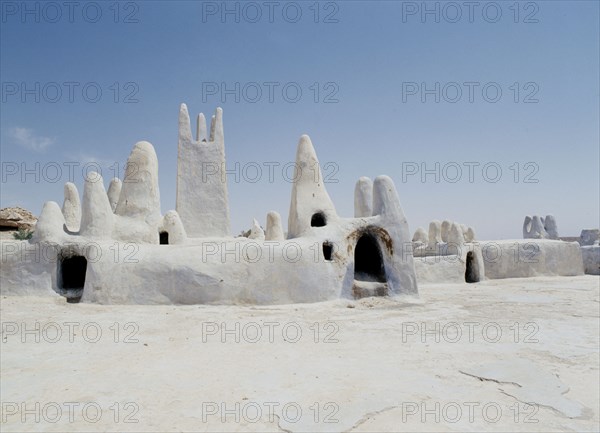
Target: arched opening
{"type": "Point", "coordinates": [318, 220]}
{"type": "Point", "coordinates": [368, 261]}
{"type": "Point", "coordinates": [472, 269]}
{"type": "Point", "coordinates": [327, 250]}
{"type": "Point", "coordinates": [163, 238]}
{"type": "Point", "coordinates": [369, 272]}
{"type": "Point", "coordinates": [72, 277]}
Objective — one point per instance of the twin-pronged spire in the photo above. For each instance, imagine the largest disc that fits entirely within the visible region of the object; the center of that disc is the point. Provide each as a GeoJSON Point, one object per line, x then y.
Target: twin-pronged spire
{"type": "Point", "coordinates": [185, 128]}
{"type": "Point", "coordinates": [202, 197]}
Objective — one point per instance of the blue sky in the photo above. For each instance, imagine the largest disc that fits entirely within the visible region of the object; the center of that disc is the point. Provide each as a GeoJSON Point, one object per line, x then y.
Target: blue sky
{"type": "Point", "coordinates": [378, 66]}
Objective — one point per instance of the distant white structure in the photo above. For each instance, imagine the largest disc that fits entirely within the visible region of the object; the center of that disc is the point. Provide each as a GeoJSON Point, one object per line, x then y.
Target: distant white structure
{"type": "Point", "coordinates": [590, 250]}
{"type": "Point", "coordinates": [559, 258]}
{"type": "Point", "coordinates": [540, 253]}
{"type": "Point", "coordinates": [448, 253]}
{"type": "Point", "coordinates": [589, 237]}
{"type": "Point", "coordinates": [537, 227]}
{"type": "Point", "coordinates": [117, 247]}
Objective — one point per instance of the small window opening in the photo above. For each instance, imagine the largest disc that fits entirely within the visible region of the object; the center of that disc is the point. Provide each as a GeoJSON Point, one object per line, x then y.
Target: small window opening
{"type": "Point", "coordinates": [164, 238]}
{"type": "Point", "coordinates": [318, 220]}
{"type": "Point", "coordinates": [327, 250]}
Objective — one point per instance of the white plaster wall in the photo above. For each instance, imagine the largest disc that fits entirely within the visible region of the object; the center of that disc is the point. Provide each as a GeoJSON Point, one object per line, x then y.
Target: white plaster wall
{"type": "Point", "coordinates": [531, 258]}
{"type": "Point", "coordinates": [27, 269]}
{"type": "Point", "coordinates": [440, 269]}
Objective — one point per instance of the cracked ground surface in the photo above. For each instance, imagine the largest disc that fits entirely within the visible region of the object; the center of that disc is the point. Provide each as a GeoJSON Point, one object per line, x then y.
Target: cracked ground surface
{"type": "Point", "coordinates": [501, 355]}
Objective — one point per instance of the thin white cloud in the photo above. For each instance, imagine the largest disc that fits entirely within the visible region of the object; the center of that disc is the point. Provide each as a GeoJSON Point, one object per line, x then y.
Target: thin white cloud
{"type": "Point", "coordinates": [85, 158]}
{"type": "Point", "coordinates": [25, 137]}
{"type": "Point", "coordinates": [105, 167]}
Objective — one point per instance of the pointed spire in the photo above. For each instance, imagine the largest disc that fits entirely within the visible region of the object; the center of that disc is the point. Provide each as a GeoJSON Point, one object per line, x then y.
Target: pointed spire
{"type": "Point", "coordinates": [526, 226]}
{"type": "Point", "coordinates": [420, 236]}
{"type": "Point", "coordinates": [140, 196]}
{"type": "Point", "coordinates": [201, 128]}
{"type": "Point", "coordinates": [256, 232]}
{"type": "Point", "coordinates": [50, 224]}
{"type": "Point", "coordinates": [435, 233]}
{"type": "Point", "coordinates": [363, 198]}
{"type": "Point", "coordinates": [217, 127]}
{"type": "Point", "coordinates": [309, 196]}
{"type": "Point", "coordinates": [212, 128]}
{"type": "Point", "coordinates": [114, 191]}
{"type": "Point", "coordinates": [71, 208]}
{"type": "Point", "coordinates": [385, 199]}
{"type": "Point", "coordinates": [274, 227]}
{"type": "Point", "coordinates": [538, 227]}
{"type": "Point", "coordinates": [97, 219]}
{"type": "Point", "coordinates": [445, 229]}
{"type": "Point", "coordinates": [469, 235]}
{"type": "Point", "coordinates": [185, 129]}
{"type": "Point", "coordinates": [551, 227]}
{"type": "Point", "coordinates": [455, 234]}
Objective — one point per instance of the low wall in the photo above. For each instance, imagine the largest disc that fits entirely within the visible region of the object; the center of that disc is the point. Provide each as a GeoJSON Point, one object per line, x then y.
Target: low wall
{"type": "Point", "coordinates": [521, 258]}
{"type": "Point", "coordinates": [26, 269]}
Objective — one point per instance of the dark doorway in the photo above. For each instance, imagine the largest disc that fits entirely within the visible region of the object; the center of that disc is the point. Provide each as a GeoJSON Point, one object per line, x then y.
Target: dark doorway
{"type": "Point", "coordinates": [318, 220]}
{"type": "Point", "coordinates": [163, 238]}
{"type": "Point", "coordinates": [72, 277]}
{"type": "Point", "coordinates": [368, 262]}
{"type": "Point", "coordinates": [472, 270]}
{"type": "Point", "coordinates": [327, 250]}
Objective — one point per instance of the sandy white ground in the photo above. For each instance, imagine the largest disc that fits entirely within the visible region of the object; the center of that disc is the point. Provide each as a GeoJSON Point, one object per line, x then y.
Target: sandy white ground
{"type": "Point", "coordinates": [369, 368]}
